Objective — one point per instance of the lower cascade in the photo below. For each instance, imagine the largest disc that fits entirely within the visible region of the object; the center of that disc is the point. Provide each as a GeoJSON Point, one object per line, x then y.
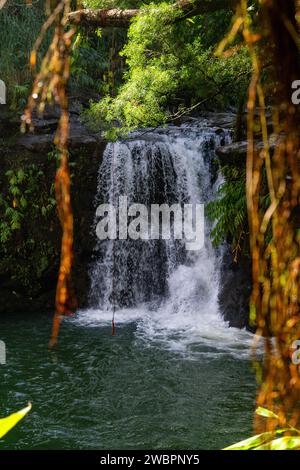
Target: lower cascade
{"type": "Point", "coordinates": [171, 292]}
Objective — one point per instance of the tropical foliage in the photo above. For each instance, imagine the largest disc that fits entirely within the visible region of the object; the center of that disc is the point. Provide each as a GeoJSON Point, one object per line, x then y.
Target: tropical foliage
{"type": "Point", "coordinates": [229, 210]}
{"type": "Point", "coordinates": [171, 70]}
{"type": "Point", "coordinates": [20, 27]}
{"type": "Point", "coordinates": [22, 204]}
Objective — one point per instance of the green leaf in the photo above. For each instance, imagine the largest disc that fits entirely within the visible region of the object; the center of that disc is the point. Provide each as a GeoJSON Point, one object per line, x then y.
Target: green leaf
{"type": "Point", "coordinates": [6, 424]}
{"type": "Point", "coordinates": [265, 413]}
{"type": "Point", "coordinates": [98, 32]}
{"type": "Point", "coordinates": [15, 190]}
{"type": "Point", "coordinates": [252, 442]}
{"type": "Point", "coordinates": [15, 225]}
{"type": "Point", "coordinates": [21, 175]}
{"type": "Point", "coordinates": [23, 202]}
{"type": "Point", "coordinates": [9, 211]}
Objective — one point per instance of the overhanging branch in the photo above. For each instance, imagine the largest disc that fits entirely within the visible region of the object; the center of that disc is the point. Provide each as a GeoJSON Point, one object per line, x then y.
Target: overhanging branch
{"type": "Point", "coordinates": [118, 18]}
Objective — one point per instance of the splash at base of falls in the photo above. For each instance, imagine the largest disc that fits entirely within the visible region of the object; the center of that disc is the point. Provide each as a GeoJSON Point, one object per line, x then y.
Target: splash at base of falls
{"type": "Point", "coordinates": [189, 336]}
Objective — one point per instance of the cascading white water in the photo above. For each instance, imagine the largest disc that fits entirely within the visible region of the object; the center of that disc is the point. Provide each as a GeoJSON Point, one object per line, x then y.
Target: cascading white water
{"type": "Point", "coordinates": [170, 293]}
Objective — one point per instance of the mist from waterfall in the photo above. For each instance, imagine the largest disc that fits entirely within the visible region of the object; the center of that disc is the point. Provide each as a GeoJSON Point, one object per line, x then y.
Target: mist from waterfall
{"type": "Point", "coordinates": [171, 294]}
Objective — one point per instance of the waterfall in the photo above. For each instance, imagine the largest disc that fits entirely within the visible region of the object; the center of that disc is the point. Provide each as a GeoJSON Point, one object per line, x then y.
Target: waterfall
{"type": "Point", "coordinates": [170, 292]}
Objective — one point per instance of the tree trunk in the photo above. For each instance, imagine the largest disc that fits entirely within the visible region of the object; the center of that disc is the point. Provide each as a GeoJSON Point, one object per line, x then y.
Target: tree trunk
{"type": "Point", "coordinates": [118, 18]}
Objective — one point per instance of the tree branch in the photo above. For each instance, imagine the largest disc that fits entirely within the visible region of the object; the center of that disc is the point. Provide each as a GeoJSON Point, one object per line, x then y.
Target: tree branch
{"type": "Point", "coordinates": [115, 17]}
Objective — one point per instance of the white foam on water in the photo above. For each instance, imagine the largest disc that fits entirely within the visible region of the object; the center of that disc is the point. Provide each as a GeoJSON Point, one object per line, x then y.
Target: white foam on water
{"type": "Point", "coordinates": [183, 322]}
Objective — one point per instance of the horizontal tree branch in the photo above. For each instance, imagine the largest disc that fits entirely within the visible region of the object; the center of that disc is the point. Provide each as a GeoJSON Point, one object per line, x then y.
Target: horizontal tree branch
{"type": "Point", "coordinates": [115, 17]}
{"type": "Point", "coordinates": [2, 3]}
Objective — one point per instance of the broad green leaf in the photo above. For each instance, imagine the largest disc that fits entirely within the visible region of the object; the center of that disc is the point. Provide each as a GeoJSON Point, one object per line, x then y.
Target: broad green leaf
{"type": "Point", "coordinates": [265, 413]}
{"type": "Point", "coordinates": [283, 443]}
{"type": "Point", "coordinates": [6, 424]}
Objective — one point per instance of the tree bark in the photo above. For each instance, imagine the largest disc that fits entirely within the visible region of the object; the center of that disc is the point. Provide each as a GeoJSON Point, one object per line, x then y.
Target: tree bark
{"type": "Point", "coordinates": [115, 17]}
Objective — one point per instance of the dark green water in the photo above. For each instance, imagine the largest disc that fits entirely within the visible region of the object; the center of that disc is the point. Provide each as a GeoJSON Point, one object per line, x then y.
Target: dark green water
{"type": "Point", "coordinates": [101, 392]}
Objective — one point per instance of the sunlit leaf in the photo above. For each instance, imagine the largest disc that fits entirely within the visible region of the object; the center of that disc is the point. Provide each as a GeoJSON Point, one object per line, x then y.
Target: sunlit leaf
{"type": "Point", "coordinates": [6, 424]}
{"type": "Point", "coordinates": [265, 413]}
{"type": "Point", "coordinates": [283, 443]}
{"type": "Point", "coordinates": [252, 442]}
{"type": "Point", "coordinates": [257, 441]}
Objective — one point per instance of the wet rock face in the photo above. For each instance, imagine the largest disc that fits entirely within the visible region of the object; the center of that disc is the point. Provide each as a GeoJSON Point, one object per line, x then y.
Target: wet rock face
{"type": "Point", "coordinates": [22, 151]}
{"type": "Point", "coordinates": [42, 140]}
{"type": "Point", "coordinates": [84, 183]}
{"type": "Point", "coordinates": [233, 154]}
{"type": "Point", "coordinates": [235, 282]}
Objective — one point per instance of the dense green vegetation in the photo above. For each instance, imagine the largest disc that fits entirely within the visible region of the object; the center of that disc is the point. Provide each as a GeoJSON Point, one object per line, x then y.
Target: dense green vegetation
{"type": "Point", "coordinates": [154, 73]}
{"type": "Point", "coordinates": [27, 204]}
{"type": "Point", "coordinates": [20, 27]}
{"type": "Point", "coordinates": [171, 69]}
{"type": "Point", "coordinates": [230, 210]}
